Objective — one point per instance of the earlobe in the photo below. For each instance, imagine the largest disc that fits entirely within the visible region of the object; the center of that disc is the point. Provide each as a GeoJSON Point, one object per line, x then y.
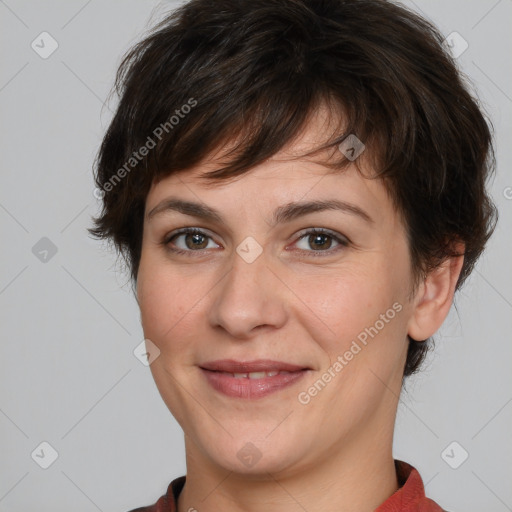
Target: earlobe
{"type": "Point", "coordinates": [435, 296]}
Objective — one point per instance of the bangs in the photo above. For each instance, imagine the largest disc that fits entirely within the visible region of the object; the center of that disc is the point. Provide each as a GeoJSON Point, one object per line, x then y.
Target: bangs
{"type": "Point", "coordinates": [251, 135]}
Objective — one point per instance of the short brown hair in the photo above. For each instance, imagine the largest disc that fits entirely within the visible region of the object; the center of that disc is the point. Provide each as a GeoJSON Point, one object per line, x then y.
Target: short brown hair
{"type": "Point", "coordinates": [257, 69]}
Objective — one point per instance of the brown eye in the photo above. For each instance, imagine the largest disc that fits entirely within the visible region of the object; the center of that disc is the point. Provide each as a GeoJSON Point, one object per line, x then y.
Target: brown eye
{"type": "Point", "coordinates": [188, 240]}
{"type": "Point", "coordinates": [195, 241]}
{"type": "Point", "coordinates": [321, 241]}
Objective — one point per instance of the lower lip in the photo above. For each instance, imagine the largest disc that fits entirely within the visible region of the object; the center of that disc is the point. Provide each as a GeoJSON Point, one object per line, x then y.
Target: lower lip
{"type": "Point", "coordinates": [251, 388]}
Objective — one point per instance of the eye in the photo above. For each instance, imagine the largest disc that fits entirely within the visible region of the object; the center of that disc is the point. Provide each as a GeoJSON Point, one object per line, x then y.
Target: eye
{"type": "Point", "coordinates": [320, 240]}
{"type": "Point", "coordinates": [194, 240]}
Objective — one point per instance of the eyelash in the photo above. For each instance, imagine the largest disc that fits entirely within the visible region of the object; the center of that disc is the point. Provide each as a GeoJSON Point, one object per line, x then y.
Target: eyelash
{"type": "Point", "coordinates": [313, 231]}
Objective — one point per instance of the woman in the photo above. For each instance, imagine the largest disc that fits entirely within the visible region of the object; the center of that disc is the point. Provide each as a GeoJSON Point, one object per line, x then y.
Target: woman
{"type": "Point", "coordinates": [298, 188]}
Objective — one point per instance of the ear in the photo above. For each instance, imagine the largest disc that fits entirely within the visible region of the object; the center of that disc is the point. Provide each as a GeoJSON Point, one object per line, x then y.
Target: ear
{"type": "Point", "coordinates": [434, 297]}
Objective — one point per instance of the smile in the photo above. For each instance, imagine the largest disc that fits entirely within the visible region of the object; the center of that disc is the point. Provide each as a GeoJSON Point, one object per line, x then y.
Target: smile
{"type": "Point", "coordinates": [251, 385]}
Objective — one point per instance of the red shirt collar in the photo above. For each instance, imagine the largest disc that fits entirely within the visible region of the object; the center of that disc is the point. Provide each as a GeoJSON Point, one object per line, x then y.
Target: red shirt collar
{"type": "Point", "coordinates": [410, 496]}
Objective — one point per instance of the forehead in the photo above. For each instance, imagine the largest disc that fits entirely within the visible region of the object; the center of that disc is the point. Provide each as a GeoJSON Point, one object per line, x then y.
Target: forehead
{"type": "Point", "coordinates": [287, 176]}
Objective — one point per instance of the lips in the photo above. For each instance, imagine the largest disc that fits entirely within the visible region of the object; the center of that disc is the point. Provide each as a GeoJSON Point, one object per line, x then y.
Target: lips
{"type": "Point", "coordinates": [251, 379]}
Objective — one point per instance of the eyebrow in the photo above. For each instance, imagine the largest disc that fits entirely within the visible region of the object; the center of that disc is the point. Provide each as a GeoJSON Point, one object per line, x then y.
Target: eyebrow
{"type": "Point", "coordinates": [282, 214]}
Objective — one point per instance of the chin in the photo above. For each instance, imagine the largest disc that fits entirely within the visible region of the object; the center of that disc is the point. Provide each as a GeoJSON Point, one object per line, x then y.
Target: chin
{"type": "Point", "coordinates": [257, 458]}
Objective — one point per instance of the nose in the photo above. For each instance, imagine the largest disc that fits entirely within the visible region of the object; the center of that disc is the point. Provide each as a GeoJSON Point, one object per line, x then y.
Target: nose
{"type": "Point", "coordinates": [249, 297]}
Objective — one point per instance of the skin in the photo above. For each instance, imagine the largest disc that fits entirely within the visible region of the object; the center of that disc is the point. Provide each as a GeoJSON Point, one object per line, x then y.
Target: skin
{"type": "Point", "coordinates": [335, 452]}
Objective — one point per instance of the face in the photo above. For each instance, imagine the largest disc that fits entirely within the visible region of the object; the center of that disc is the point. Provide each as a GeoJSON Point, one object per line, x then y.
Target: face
{"type": "Point", "coordinates": [324, 290]}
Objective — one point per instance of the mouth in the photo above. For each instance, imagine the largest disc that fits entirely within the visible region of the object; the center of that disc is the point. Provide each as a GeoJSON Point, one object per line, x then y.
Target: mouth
{"type": "Point", "coordinates": [251, 379]}
{"type": "Point", "coordinates": [260, 365]}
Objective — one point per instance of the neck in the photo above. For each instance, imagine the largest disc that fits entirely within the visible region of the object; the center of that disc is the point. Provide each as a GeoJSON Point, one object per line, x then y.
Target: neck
{"type": "Point", "coordinates": [345, 479]}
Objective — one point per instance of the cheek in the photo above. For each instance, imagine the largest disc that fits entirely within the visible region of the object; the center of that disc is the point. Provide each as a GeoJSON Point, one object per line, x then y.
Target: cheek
{"type": "Point", "coordinates": [169, 304]}
{"type": "Point", "coordinates": [363, 344]}
{"type": "Point", "coordinates": [168, 301]}
{"type": "Point", "coordinates": [360, 324]}
{"type": "Point", "coordinates": [345, 303]}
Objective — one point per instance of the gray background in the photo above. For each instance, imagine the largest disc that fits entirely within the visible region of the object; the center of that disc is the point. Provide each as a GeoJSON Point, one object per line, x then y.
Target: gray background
{"type": "Point", "coordinates": [70, 324]}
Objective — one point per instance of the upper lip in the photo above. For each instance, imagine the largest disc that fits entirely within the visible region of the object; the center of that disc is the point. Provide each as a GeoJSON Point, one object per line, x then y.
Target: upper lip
{"type": "Point", "coordinates": [259, 365]}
